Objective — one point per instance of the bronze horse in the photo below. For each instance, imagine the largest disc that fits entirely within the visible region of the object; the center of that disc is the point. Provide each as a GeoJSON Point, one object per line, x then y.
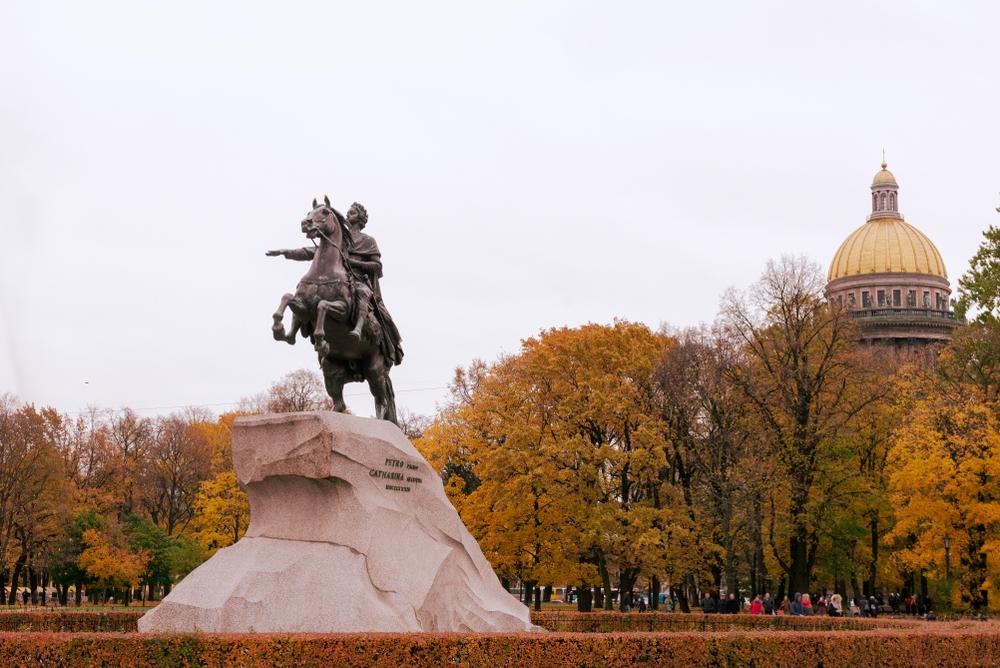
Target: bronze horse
{"type": "Point", "coordinates": [324, 308]}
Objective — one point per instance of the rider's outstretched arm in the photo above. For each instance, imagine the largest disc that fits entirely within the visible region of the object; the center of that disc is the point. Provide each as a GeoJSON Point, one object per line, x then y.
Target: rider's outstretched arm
{"type": "Point", "coordinates": [300, 253]}
{"type": "Point", "coordinates": [304, 254]}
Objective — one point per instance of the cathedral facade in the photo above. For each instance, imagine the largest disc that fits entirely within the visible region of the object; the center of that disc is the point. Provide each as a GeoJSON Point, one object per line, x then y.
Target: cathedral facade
{"type": "Point", "coordinates": [891, 279]}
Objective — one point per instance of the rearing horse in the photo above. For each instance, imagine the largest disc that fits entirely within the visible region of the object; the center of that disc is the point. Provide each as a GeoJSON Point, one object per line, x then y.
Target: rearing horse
{"type": "Point", "coordinates": [322, 309]}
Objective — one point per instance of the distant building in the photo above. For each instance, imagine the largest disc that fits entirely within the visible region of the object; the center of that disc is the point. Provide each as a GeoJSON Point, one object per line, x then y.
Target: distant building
{"type": "Point", "coordinates": [891, 277]}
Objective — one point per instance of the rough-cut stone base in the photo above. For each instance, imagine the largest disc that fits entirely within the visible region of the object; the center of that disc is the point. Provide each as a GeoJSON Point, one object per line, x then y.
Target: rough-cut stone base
{"type": "Point", "coordinates": [350, 531]}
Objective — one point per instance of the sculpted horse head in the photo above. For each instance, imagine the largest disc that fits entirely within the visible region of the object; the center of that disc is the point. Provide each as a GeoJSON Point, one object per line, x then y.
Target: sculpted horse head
{"type": "Point", "coordinates": [327, 224]}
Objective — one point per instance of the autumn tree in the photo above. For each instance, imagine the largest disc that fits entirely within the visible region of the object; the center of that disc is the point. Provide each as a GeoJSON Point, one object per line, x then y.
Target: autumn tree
{"type": "Point", "coordinates": [979, 287]}
{"type": "Point", "coordinates": [110, 561]}
{"type": "Point", "coordinates": [32, 497]}
{"type": "Point", "coordinates": [300, 390]}
{"type": "Point", "coordinates": [179, 459]}
{"type": "Point", "coordinates": [945, 481]}
{"type": "Point", "coordinates": [702, 413]}
{"type": "Point", "coordinates": [222, 512]}
{"type": "Point", "coordinates": [562, 444]}
{"type": "Point", "coordinates": [517, 508]}
{"type": "Point", "coordinates": [805, 382]}
{"type": "Point", "coordinates": [130, 437]}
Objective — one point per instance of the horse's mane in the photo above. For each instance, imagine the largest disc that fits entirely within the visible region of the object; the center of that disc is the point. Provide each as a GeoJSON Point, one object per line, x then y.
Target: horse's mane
{"type": "Point", "coordinates": [345, 229]}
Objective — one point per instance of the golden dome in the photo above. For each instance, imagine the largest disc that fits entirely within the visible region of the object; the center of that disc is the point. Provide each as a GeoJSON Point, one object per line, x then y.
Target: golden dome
{"type": "Point", "coordinates": [886, 245]}
{"type": "Point", "coordinates": [884, 177]}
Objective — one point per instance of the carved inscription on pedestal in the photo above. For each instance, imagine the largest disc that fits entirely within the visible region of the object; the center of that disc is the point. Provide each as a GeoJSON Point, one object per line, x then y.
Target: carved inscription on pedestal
{"type": "Point", "coordinates": [400, 474]}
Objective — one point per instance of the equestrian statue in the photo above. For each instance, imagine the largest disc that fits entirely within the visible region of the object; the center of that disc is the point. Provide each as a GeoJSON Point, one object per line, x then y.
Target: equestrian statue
{"type": "Point", "coordinates": [338, 306]}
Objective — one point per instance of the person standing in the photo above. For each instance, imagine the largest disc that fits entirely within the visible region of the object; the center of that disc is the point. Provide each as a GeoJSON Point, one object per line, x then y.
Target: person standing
{"type": "Point", "coordinates": [756, 607]}
{"type": "Point", "coordinates": [768, 604]}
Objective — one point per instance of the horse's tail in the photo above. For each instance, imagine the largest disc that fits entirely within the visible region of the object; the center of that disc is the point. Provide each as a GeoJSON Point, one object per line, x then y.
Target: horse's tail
{"type": "Point", "coordinates": [390, 404]}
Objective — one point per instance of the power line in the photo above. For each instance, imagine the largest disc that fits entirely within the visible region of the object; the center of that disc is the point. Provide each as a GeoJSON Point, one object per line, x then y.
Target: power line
{"type": "Point", "coordinates": [235, 403]}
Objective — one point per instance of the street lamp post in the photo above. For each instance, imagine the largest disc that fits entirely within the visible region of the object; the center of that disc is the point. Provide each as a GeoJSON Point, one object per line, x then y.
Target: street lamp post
{"type": "Point", "coordinates": [947, 556]}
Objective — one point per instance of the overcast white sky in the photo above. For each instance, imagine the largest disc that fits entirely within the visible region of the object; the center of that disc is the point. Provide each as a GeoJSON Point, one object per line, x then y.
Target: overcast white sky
{"type": "Point", "coordinates": [524, 164]}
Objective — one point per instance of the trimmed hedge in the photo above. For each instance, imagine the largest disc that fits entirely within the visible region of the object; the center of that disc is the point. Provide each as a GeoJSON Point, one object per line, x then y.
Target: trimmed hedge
{"type": "Point", "coordinates": [896, 647]}
{"type": "Point", "coordinates": [123, 621]}
{"type": "Point", "coordinates": [577, 622]}
{"type": "Point", "coordinates": [610, 622]}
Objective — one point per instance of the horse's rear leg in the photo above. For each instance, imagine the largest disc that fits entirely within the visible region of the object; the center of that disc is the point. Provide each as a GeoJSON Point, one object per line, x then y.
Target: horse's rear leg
{"type": "Point", "coordinates": [278, 328]}
{"type": "Point", "coordinates": [334, 377]}
{"type": "Point", "coordinates": [377, 375]}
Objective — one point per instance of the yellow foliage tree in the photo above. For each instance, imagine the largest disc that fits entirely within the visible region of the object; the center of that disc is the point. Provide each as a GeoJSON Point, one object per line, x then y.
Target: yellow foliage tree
{"type": "Point", "coordinates": [111, 562]}
{"type": "Point", "coordinates": [555, 459]}
{"type": "Point", "coordinates": [945, 488]}
{"type": "Point", "coordinates": [222, 512]}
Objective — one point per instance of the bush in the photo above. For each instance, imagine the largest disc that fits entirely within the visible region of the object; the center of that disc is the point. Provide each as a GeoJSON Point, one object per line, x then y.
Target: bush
{"type": "Point", "coordinates": [610, 622]}
{"type": "Point", "coordinates": [124, 621]}
{"type": "Point", "coordinates": [897, 647]}
{"type": "Point", "coordinates": [577, 622]}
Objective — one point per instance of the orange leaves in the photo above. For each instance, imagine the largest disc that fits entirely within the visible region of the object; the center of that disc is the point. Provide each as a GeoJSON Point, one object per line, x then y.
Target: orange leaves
{"type": "Point", "coordinates": [962, 647]}
{"type": "Point", "coordinates": [111, 562]}
{"type": "Point", "coordinates": [548, 454]}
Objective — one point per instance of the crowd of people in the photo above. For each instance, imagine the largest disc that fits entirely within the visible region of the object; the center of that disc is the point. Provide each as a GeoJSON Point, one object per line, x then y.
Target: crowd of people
{"type": "Point", "coordinates": [798, 604]}
{"type": "Point", "coordinates": [834, 605]}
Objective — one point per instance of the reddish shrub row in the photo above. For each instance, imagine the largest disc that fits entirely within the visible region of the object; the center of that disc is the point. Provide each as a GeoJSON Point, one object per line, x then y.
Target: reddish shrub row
{"type": "Point", "coordinates": [864, 648]}
{"type": "Point", "coordinates": [122, 621]}
{"type": "Point", "coordinates": [610, 622]}
{"type": "Point", "coordinates": [577, 622]}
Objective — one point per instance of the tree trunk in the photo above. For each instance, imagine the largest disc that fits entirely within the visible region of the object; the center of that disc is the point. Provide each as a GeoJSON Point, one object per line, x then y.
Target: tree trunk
{"type": "Point", "coordinates": [527, 589]}
{"type": "Point", "coordinates": [584, 598]}
{"type": "Point", "coordinates": [33, 584]}
{"type": "Point", "coordinates": [606, 584]}
{"type": "Point", "coordinates": [547, 594]}
{"type": "Point", "coordinates": [78, 594]}
{"type": "Point", "coordinates": [873, 565]}
{"type": "Point", "coordinates": [654, 593]}
{"type": "Point", "coordinates": [626, 581]}
{"type": "Point", "coordinates": [18, 566]}
{"type": "Point", "coordinates": [681, 593]}
{"type": "Point", "coordinates": [716, 571]}
{"type": "Point", "coordinates": [762, 583]}
{"type": "Point", "coordinates": [538, 599]}
{"type": "Point", "coordinates": [798, 578]}
{"type": "Point", "coordinates": [599, 597]}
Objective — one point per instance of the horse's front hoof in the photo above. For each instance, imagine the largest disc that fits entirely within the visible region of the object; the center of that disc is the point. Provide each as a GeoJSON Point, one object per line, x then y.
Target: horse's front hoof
{"type": "Point", "coordinates": [278, 332]}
